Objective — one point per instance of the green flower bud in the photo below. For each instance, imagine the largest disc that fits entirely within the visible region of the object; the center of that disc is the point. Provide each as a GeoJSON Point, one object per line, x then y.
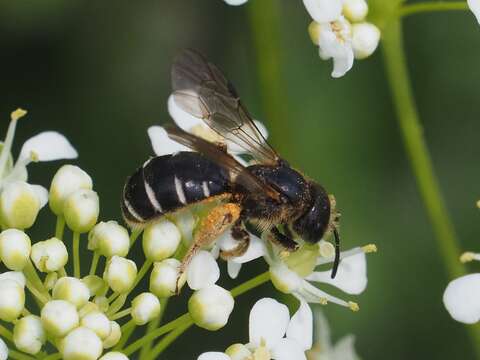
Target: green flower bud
{"type": "Point", "coordinates": [95, 284]}
{"type": "Point", "coordinates": [109, 239]}
{"type": "Point", "coordinates": [49, 255]}
{"type": "Point", "coordinates": [12, 299]}
{"type": "Point", "coordinates": [15, 247]}
{"type": "Point", "coordinates": [98, 322]}
{"type": "Point", "coordinates": [163, 279]}
{"type": "Point", "coordinates": [160, 240]}
{"type": "Point", "coordinates": [82, 344]}
{"type": "Point", "coordinates": [114, 337]}
{"type": "Point", "coordinates": [210, 307]}
{"type": "Point", "coordinates": [59, 317]}
{"type": "Point", "coordinates": [120, 274]}
{"type": "Point", "coordinates": [29, 335]}
{"type": "Point", "coordinates": [72, 290]}
{"type": "Point", "coordinates": [81, 210]}
{"type": "Point", "coordinates": [145, 307]}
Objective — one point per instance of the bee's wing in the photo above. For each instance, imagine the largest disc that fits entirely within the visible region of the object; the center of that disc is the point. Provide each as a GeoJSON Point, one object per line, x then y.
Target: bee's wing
{"type": "Point", "coordinates": [238, 173]}
{"type": "Point", "coordinates": [202, 90]}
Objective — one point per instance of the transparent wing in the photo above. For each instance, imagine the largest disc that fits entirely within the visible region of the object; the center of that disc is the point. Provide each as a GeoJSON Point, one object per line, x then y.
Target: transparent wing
{"type": "Point", "coordinates": [238, 173]}
{"type": "Point", "coordinates": [202, 90]}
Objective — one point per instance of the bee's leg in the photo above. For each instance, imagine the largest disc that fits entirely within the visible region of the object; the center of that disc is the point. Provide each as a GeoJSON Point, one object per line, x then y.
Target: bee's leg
{"type": "Point", "coordinates": [243, 239]}
{"type": "Point", "coordinates": [211, 227]}
{"type": "Point", "coordinates": [284, 241]}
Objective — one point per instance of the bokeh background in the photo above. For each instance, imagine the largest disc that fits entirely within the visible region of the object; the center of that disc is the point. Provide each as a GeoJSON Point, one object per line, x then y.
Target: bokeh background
{"type": "Point", "coordinates": [98, 71]}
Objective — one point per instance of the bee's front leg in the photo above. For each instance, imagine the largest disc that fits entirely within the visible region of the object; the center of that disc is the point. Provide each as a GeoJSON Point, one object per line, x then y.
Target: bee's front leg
{"type": "Point", "coordinates": [284, 241]}
{"type": "Point", "coordinates": [243, 241]}
{"type": "Point", "coordinates": [219, 219]}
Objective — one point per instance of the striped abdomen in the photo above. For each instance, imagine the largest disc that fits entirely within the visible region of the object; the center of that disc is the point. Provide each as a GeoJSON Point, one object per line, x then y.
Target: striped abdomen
{"type": "Point", "coordinates": [167, 183]}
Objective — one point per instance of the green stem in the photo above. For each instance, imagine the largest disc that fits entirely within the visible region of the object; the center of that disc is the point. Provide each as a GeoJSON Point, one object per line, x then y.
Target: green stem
{"type": "Point", "coordinates": [397, 73]}
{"type": "Point", "coordinates": [266, 23]}
{"type": "Point", "coordinates": [134, 236]}
{"type": "Point", "coordinates": [55, 356]}
{"type": "Point", "coordinates": [423, 7]}
{"type": "Point", "coordinates": [143, 270]}
{"type": "Point", "coordinates": [121, 314]}
{"type": "Point", "coordinates": [93, 267]}
{"type": "Point", "coordinates": [42, 299]}
{"type": "Point", "coordinates": [181, 321]}
{"type": "Point", "coordinates": [166, 341]}
{"type": "Point", "coordinates": [127, 330]}
{"type": "Point", "coordinates": [7, 146]}
{"type": "Point", "coordinates": [5, 333]}
{"type": "Point", "coordinates": [16, 355]}
{"type": "Point", "coordinates": [250, 284]}
{"type": "Point", "coordinates": [76, 254]}
{"type": "Point", "coordinates": [152, 325]}
{"type": "Point", "coordinates": [60, 227]}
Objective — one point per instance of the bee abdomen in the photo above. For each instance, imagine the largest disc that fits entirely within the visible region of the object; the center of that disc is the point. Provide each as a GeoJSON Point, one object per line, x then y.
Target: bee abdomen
{"type": "Point", "coordinates": [167, 183]}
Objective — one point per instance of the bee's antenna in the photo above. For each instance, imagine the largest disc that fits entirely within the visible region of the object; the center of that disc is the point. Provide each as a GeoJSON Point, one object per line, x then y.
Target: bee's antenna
{"type": "Point", "coordinates": [336, 262]}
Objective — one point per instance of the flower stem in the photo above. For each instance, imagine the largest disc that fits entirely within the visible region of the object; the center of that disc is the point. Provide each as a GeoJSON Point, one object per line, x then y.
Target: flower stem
{"type": "Point", "coordinates": [134, 236]}
{"type": "Point", "coordinates": [76, 254]}
{"type": "Point", "coordinates": [93, 267]}
{"type": "Point", "coordinates": [396, 68]}
{"type": "Point", "coordinates": [121, 314]}
{"type": "Point", "coordinates": [424, 7]}
{"type": "Point", "coordinates": [16, 355]}
{"type": "Point", "coordinates": [127, 330]}
{"type": "Point", "coordinates": [184, 320]}
{"type": "Point", "coordinates": [60, 227]}
{"type": "Point", "coordinates": [55, 356]}
{"type": "Point", "coordinates": [250, 284]}
{"type": "Point", "coordinates": [141, 273]}
{"type": "Point", "coordinates": [5, 333]}
{"type": "Point", "coordinates": [152, 325]}
{"type": "Point", "coordinates": [166, 341]}
{"type": "Point", "coordinates": [7, 146]}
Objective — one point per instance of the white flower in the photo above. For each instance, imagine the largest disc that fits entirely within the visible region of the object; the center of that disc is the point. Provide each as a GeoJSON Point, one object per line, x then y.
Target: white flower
{"type": "Point", "coordinates": [97, 322]}
{"type": "Point", "coordinates": [12, 299]}
{"type": "Point", "coordinates": [235, 2]}
{"type": "Point", "coordinates": [14, 275]}
{"type": "Point", "coordinates": [324, 11]}
{"type": "Point", "coordinates": [29, 335]}
{"type": "Point", "coordinates": [202, 271]}
{"type": "Point", "coordinates": [293, 277]}
{"type": "Point", "coordinates": [15, 247]}
{"type": "Point", "coordinates": [461, 298]}
{"type": "Point", "coordinates": [59, 317]}
{"type": "Point", "coordinates": [355, 10]}
{"type": "Point", "coordinates": [72, 290]}
{"type": "Point", "coordinates": [114, 355]}
{"type": "Point", "coordinates": [114, 336]}
{"type": "Point", "coordinates": [67, 180]}
{"type": "Point", "coordinates": [3, 350]}
{"type": "Point", "coordinates": [109, 239]}
{"type": "Point", "coordinates": [365, 39]}
{"type": "Point", "coordinates": [323, 349]}
{"type": "Point", "coordinates": [81, 210]}
{"type": "Point", "coordinates": [474, 5]}
{"type": "Point", "coordinates": [82, 343]}
{"type": "Point", "coordinates": [210, 307]}
{"type": "Point", "coordinates": [120, 274]}
{"type": "Point", "coordinates": [145, 307]}
{"type": "Point", "coordinates": [273, 335]}
{"type": "Point", "coordinates": [160, 240]}
{"type": "Point", "coordinates": [49, 255]}
{"type": "Point", "coordinates": [163, 279]}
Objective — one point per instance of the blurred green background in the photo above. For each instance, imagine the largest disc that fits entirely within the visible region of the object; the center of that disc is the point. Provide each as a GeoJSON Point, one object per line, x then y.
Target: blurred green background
{"type": "Point", "coordinates": [98, 71]}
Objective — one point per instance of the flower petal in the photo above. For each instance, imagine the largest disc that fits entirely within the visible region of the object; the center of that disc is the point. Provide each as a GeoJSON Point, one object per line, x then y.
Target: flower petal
{"type": "Point", "coordinates": [268, 322]}
{"type": "Point", "coordinates": [202, 271]}
{"type": "Point", "coordinates": [212, 355]}
{"type": "Point", "coordinates": [182, 118]}
{"type": "Point", "coordinates": [322, 331]}
{"type": "Point", "coordinates": [474, 5]}
{"type": "Point", "coordinates": [323, 10]}
{"type": "Point", "coordinates": [233, 269]}
{"type": "Point", "coordinates": [48, 146]}
{"type": "Point", "coordinates": [300, 327]}
{"type": "Point", "coordinates": [256, 249]}
{"type": "Point", "coordinates": [288, 349]}
{"type": "Point", "coordinates": [340, 51]}
{"type": "Point", "coordinates": [351, 276]}
{"type": "Point", "coordinates": [461, 298]}
{"type": "Point", "coordinates": [161, 143]}
{"type": "Point", "coordinates": [42, 194]}
{"type": "Point", "coordinates": [344, 349]}
{"type": "Point", "coordinates": [236, 2]}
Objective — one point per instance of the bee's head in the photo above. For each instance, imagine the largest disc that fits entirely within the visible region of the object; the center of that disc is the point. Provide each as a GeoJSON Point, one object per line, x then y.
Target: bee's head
{"type": "Point", "coordinates": [320, 217]}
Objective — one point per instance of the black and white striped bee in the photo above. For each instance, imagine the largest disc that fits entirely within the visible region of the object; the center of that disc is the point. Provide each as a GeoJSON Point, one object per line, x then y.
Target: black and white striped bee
{"type": "Point", "coordinates": [280, 201]}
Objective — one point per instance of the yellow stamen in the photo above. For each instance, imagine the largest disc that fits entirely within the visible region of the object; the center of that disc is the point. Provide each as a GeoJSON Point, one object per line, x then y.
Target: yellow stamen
{"type": "Point", "coordinates": [353, 306]}
{"type": "Point", "coordinates": [33, 156]}
{"type": "Point", "coordinates": [467, 257]}
{"type": "Point", "coordinates": [17, 114]}
{"type": "Point", "coordinates": [370, 248]}
{"type": "Point", "coordinates": [478, 204]}
{"type": "Point", "coordinates": [323, 301]}
{"type": "Point", "coordinates": [314, 31]}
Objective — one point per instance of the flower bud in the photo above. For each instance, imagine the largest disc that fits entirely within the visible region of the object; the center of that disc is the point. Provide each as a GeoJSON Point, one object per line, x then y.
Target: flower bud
{"type": "Point", "coordinates": [29, 335]}
{"type": "Point", "coordinates": [82, 344]}
{"type": "Point", "coordinates": [12, 299]}
{"type": "Point", "coordinates": [20, 203]}
{"type": "Point", "coordinates": [49, 255]}
{"type": "Point", "coordinates": [210, 307]}
{"type": "Point", "coordinates": [67, 180]}
{"type": "Point", "coordinates": [145, 307]}
{"type": "Point", "coordinates": [114, 336]}
{"type": "Point", "coordinates": [365, 39]}
{"type": "Point", "coordinates": [14, 275]}
{"type": "Point", "coordinates": [72, 290]}
{"type": "Point", "coordinates": [98, 322]}
{"type": "Point", "coordinates": [120, 274]}
{"type": "Point", "coordinates": [163, 279]}
{"type": "Point", "coordinates": [15, 247]}
{"type": "Point", "coordinates": [81, 210]}
{"type": "Point", "coordinates": [238, 352]}
{"type": "Point", "coordinates": [59, 317]}
{"type": "Point", "coordinates": [355, 10]}
{"type": "Point", "coordinates": [284, 279]}
{"type": "Point", "coordinates": [3, 350]}
{"type": "Point", "coordinates": [161, 240]}
{"type": "Point", "coordinates": [114, 355]}
{"type": "Point", "coordinates": [109, 238]}
{"type": "Point", "coordinates": [50, 280]}
{"type": "Point", "coordinates": [95, 284]}
{"type": "Point", "coordinates": [102, 303]}
{"type": "Point", "coordinates": [87, 309]}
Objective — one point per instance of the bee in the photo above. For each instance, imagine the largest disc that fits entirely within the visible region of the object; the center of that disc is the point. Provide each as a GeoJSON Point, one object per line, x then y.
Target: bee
{"type": "Point", "coordinates": [279, 201]}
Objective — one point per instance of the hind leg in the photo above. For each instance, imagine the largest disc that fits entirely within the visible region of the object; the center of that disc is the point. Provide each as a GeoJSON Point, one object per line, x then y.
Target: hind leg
{"type": "Point", "coordinates": [284, 241]}
{"type": "Point", "coordinates": [243, 241]}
